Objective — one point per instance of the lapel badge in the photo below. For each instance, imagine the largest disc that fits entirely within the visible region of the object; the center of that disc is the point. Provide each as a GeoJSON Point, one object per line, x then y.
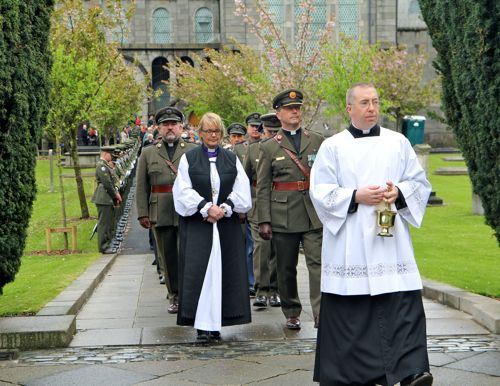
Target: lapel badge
{"type": "Point", "coordinates": [311, 158]}
{"type": "Point", "coordinates": [182, 144]}
{"type": "Point", "coordinates": [159, 145]}
{"type": "Point", "coordinates": [279, 137]}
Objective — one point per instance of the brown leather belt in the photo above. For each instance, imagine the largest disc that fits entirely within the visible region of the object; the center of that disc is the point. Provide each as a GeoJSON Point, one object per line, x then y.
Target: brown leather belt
{"type": "Point", "coordinates": [296, 185]}
{"type": "Point", "coordinates": [161, 188]}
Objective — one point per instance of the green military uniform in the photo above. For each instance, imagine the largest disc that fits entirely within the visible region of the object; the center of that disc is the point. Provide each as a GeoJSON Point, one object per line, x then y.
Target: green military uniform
{"type": "Point", "coordinates": [264, 256]}
{"type": "Point", "coordinates": [155, 179]}
{"type": "Point", "coordinates": [104, 200]}
{"type": "Point", "coordinates": [240, 149]}
{"type": "Point", "coordinates": [283, 201]}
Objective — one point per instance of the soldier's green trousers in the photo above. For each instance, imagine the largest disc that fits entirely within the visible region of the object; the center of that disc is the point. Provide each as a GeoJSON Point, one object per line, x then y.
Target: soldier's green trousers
{"type": "Point", "coordinates": [168, 258]}
{"type": "Point", "coordinates": [287, 256]}
{"type": "Point", "coordinates": [105, 227]}
{"type": "Point", "coordinates": [264, 264]}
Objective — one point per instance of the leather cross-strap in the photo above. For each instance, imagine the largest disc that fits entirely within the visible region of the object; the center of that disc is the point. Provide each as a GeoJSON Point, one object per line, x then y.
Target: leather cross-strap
{"type": "Point", "coordinates": [161, 188]}
{"type": "Point", "coordinates": [295, 159]}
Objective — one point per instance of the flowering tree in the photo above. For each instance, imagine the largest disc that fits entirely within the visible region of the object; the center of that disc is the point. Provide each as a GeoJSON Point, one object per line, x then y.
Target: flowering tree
{"type": "Point", "coordinates": [253, 80]}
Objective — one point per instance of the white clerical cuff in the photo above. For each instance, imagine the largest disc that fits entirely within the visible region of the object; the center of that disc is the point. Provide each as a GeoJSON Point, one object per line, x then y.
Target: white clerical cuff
{"type": "Point", "coordinates": [204, 210]}
{"type": "Point", "coordinates": [228, 212]}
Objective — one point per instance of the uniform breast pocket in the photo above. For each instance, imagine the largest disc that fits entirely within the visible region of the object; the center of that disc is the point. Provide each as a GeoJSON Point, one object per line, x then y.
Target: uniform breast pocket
{"type": "Point", "coordinates": [279, 209]}
{"type": "Point", "coordinates": [154, 168]}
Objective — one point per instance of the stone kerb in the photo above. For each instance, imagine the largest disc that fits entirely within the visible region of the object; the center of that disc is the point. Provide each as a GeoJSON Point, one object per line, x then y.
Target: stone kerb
{"type": "Point", "coordinates": [55, 324]}
{"type": "Point", "coordinates": [484, 310]}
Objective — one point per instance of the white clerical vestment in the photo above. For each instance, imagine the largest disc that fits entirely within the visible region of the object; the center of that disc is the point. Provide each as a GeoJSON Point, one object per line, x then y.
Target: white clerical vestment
{"type": "Point", "coordinates": [186, 200]}
{"type": "Point", "coordinates": [355, 261]}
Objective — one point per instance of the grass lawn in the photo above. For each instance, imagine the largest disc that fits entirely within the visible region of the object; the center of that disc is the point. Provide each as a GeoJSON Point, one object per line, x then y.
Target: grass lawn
{"type": "Point", "coordinates": [454, 246]}
{"type": "Point", "coordinates": [41, 278]}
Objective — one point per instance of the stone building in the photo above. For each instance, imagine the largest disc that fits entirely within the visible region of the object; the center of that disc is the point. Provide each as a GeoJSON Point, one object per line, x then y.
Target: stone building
{"type": "Point", "coordinates": [163, 30]}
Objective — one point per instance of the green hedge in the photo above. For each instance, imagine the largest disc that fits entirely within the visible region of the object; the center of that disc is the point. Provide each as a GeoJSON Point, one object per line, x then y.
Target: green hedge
{"type": "Point", "coordinates": [24, 71]}
{"type": "Point", "coordinates": [465, 36]}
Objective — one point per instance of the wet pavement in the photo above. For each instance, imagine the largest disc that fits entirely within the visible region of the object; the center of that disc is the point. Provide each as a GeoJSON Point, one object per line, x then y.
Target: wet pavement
{"type": "Point", "coordinates": [126, 337]}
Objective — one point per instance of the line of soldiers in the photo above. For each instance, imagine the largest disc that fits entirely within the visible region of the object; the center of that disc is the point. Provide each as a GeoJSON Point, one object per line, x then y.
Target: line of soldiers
{"type": "Point", "coordinates": [113, 177]}
{"type": "Point", "coordinates": [277, 157]}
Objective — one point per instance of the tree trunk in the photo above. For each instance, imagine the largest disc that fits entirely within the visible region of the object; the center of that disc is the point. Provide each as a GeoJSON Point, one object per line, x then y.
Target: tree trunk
{"type": "Point", "coordinates": [79, 181]}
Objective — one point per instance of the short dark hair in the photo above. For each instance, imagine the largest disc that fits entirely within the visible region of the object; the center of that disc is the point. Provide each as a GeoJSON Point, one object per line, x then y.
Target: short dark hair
{"type": "Point", "coordinates": [348, 94]}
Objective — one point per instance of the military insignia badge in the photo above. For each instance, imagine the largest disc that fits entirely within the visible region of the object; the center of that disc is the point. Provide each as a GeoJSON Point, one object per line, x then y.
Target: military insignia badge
{"type": "Point", "coordinates": [103, 168]}
{"type": "Point", "coordinates": [292, 94]}
{"type": "Point", "coordinates": [182, 145]}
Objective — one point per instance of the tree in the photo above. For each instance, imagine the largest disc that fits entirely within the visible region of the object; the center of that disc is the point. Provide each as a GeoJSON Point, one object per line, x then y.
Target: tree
{"type": "Point", "coordinates": [252, 80]}
{"type": "Point", "coordinates": [396, 74]}
{"type": "Point", "coordinates": [25, 63]}
{"type": "Point", "coordinates": [88, 75]}
{"type": "Point", "coordinates": [465, 36]}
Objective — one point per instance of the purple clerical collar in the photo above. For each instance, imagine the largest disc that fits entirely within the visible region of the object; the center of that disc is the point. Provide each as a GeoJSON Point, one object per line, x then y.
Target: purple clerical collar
{"type": "Point", "coordinates": [210, 152]}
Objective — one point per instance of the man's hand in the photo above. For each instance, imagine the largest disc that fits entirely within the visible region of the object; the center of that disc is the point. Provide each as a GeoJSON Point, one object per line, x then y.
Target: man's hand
{"type": "Point", "coordinates": [265, 231]}
{"type": "Point", "coordinates": [392, 193]}
{"type": "Point", "coordinates": [145, 223]}
{"type": "Point", "coordinates": [370, 195]}
{"type": "Point", "coordinates": [118, 198]}
{"type": "Point", "coordinates": [242, 217]}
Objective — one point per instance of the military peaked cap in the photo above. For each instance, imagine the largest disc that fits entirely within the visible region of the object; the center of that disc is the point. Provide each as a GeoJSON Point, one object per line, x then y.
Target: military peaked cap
{"type": "Point", "coordinates": [236, 128]}
{"type": "Point", "coordinates": [253, 119]}
{"type": "Point", "coordinates": [270, 121]}
{"type": "Point", "coordinates": [108, 149]}
{"type": "Point", "coordinates": [169, 114]}
{"type": "Point", "coordinates": [288, 98]}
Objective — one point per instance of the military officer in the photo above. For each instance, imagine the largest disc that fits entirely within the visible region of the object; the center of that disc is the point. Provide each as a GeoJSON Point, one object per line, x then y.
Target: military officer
{"type": "Point", "coordinates": [236, 133]}
{"type": "Point", "coordinates": [156, 174]}
{"type": "Point", "coordinates": [105, 197]}
{"type": "Point", "coordinates": [285, 211]}
{"type": "Point", "coordinates": [264, 256]}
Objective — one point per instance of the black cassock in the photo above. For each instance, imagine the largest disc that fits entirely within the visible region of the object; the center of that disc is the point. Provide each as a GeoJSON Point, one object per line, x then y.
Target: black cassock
{"type": "Point", "coordinates": [195, 244]}
{"type": "Point", "coordinates": [366, 340]}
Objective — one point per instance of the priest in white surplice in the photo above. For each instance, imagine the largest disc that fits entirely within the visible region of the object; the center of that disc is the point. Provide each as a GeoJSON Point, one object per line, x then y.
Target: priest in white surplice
{"type": "Point", "coordinates": [372, 321]}
{"type": "Point", "coordinates": [210, 190]}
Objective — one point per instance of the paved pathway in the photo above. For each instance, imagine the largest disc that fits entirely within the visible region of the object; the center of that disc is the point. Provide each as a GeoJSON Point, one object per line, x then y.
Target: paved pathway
{"type": "Point", "coordinates": [126, 337]}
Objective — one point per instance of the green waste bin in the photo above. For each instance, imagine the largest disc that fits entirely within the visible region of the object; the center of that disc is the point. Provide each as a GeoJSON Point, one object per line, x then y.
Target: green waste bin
{"type": "Point", "coordinates": [413, 128]}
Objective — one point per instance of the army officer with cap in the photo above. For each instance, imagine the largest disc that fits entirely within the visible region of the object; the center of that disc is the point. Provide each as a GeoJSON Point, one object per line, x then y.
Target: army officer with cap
{"type": "Point", "coordinates": [236, 133]}
{"type": "Point", "coordinates": [285, 210]}
{"type": "Point", "coordinates": [156, 174]}
{"type": "Point", "coordinates": [264, 256]}
{"type": "Point", "coordinates": [105, 197]}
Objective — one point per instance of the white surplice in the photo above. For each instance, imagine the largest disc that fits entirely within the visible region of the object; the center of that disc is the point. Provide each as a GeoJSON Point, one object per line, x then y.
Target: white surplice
{"type": "Point", "coordinates": [355, 261]}
{"type": "Point", "coordinates": [186, 201]}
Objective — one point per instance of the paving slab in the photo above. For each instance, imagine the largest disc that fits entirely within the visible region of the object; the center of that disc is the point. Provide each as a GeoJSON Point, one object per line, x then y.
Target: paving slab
{"type": "Point", "coordinates": [161, 368]}
{"type": "Point", "coordinates": [107, 337]}
{"type": "Point", "coordinates": [449, 326]}
{"type": "Point", "coordinates": [167, 335]}
{"type": "Point", "coordinates": [485, 363]}
{"type": "Point", "coordinates": [444, 376]}
{"type": "Point", "coordinates": [90, 376]}
{"type": "Point", "coordinates": [23, 374]}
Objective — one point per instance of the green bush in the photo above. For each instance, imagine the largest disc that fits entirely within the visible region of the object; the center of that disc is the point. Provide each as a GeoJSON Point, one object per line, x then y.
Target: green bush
{"type": "Point", "coordinates": [465, 36]}
{"type": "Point", "coordinates": [24, 69]}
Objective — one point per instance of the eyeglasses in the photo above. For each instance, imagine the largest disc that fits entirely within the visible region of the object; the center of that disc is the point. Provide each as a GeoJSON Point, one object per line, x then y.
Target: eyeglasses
{"type": "Point", "coordinates": [366, 103]}
{"type": "Point", "coordinates": [211, 132]}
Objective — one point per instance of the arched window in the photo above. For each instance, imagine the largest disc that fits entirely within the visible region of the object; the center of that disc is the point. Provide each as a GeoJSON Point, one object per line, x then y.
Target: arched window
{"type": "Point", "coordinates": [318, 22]}
{"type": "Point", "coordinates": [159, 74]}
{"type": "Point", "coordinates": [348, 17]}
{"type": "Point", "coordinates": [204, 25]}
{"type": "Point", "coordinates": [161, 26]}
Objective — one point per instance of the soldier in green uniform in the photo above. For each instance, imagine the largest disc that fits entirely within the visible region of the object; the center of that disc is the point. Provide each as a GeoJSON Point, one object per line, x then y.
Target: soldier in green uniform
{"type": "Point", "coordinates": [236, 133]}
{"type": "Point", "coordinates": [105, 197]}
{"type": "Point", "coordinates": [156, 174]}
{"type": "Point", "coordinates": [285, 211]}
{"type": "Point", "coordinates": [264, 256]}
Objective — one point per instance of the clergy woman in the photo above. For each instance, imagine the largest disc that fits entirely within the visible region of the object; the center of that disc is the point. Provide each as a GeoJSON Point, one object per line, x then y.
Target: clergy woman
{"type": "Point", "coordinates": [210, 191]}
{"type": "Point", "coordinates": [372, 321]}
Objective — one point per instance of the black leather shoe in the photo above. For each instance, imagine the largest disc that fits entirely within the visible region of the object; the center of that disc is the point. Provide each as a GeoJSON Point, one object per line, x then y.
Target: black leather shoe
{"type": "Point", "coordinates": [215, 336]}
{"type": "Point", "coordinates": [293, 323]}
{"type": "Point", "coordinates": [275, 301]}
{"type": "Point", "coordinates": [422, 379]}
{"type": "Point", "coordinates": [260, 301]}
{"type": "Point", "coordinates": [162, 279]}
{"type": "Point", "coordinates": [316, 321]}
{"type": "Point", "coordinates": [203, 336]}
{"type": "Point", "coordinates": [108, 251]}
{"type": "Point", "coordinates": [173, 308]}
